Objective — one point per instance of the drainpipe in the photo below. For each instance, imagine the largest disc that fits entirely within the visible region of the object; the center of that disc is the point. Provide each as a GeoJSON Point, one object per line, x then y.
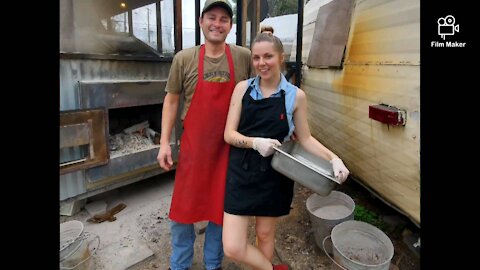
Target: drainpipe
{"type": "Point", "coordinates": [298, 58]}
{"type": "Point", "coordinates": [197, 26]}
{"type": "Point", "coordinates": [239, 22]}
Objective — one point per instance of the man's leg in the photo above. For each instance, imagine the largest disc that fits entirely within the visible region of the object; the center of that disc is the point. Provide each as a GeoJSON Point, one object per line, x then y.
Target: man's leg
{"type": "Point", "coordinates": [183, 238]}
{"type": "Point", "coordinates": [213, 247]}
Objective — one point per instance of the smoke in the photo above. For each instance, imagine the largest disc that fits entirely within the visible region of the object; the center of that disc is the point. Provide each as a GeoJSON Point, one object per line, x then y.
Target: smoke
{"type": "Point", "coordinates": [98, 27]}
{"type": "Point", "coordinates": [80, 25]}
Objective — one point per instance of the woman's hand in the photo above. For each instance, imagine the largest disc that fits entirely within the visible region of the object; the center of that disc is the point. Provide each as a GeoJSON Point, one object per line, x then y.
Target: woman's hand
{"type": "Point", "coordinates": [339, 170]}
{"type": "Point", "coordinates": [265, 146]}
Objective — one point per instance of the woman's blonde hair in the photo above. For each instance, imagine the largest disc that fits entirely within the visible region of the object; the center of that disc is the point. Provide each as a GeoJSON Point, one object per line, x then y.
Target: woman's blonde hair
{"type": "Point", "coordinates": [266, 28]}
{"type": "Point", "coordinates": [277, 43]}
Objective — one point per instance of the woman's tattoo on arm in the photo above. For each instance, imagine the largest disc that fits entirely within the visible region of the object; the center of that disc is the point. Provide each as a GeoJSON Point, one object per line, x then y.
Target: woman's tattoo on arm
{"type": "Point", "coordinates": [240, 143]}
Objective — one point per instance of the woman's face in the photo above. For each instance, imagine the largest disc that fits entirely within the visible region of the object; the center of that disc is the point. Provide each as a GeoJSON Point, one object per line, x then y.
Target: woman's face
{"type": "Point", "coordinates": [266, 60]}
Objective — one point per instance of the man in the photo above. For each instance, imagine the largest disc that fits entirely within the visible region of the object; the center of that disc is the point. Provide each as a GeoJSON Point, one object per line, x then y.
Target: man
{"type": "Point", "coordinates": [207, 75]}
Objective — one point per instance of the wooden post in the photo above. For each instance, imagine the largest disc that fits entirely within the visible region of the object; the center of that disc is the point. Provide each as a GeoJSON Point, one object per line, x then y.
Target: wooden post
{"type": "Point", "coordinates": [177, 18]}
{"type": "Point", "coordinates": [244, 22]}
{"type": "Point", "coordinates": [159, 28]}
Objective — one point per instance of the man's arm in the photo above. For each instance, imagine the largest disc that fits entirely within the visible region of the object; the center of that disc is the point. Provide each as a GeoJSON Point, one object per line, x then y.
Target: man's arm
{"type": "Point", "coordinates": [169, 114]}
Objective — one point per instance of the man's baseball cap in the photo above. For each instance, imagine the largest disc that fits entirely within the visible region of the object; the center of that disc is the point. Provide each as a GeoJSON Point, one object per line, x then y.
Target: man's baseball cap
{"type": "Point", "coordinates": [209, 4]}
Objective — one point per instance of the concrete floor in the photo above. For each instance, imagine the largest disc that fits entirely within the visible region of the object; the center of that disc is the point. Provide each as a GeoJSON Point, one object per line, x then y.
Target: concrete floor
{"type": "Point", "coordinates": [140, 236]}
{"type": "Point", "coordinates": [139, 239]}
{"type": "Point", "coordinates": [126, 241]}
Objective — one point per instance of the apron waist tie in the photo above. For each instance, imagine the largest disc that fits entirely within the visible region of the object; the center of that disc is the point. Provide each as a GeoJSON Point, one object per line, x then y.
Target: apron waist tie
{"type": "Point", "coordinates": [263, 162]}
{"type": "Point", "coordinates": [244, 160]}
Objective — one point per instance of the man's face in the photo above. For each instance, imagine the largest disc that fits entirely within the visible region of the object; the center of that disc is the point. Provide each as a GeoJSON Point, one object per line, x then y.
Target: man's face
{"type": "Point", "coordinates": [216, 24]}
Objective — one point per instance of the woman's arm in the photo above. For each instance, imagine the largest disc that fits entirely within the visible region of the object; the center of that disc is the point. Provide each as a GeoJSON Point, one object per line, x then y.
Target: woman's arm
{"type": "Point", "coordinates": [231, 135]}
{"type": "Point", "coordinates": [302, 130]}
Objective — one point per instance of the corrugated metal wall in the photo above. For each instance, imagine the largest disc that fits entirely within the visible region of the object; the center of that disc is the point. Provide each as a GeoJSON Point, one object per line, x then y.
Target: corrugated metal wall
{"type": "Point", "coordinates": [74, 70]}
{"type": "Point", "coordinates": [382, 65]}
{"type": "Point", "coordinates": [72, 184]}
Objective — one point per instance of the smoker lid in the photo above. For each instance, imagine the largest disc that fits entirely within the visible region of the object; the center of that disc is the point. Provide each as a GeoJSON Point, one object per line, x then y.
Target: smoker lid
{"type": "Point", "coordinates": [83, 30]}
{"type": "Point", "coordinates": [112, 44]}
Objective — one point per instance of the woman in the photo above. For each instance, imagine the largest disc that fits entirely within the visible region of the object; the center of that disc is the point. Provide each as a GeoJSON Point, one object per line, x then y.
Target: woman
{"type": "Point", "coordinates": [264, 111]}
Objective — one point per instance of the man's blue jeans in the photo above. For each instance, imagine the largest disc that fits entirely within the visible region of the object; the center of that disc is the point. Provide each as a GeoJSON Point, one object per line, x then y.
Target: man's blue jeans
{"type": "Point", "coordinates": [183, 239]}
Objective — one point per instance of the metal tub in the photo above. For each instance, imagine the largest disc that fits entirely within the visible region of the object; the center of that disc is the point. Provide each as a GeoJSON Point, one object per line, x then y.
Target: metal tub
{"type": "Point", "coordinates": [315, 173]}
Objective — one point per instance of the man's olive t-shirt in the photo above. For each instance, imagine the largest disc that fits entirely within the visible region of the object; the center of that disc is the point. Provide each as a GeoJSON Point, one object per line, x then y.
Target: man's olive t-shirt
{"type": "Point", "coordinates": [184, 71]}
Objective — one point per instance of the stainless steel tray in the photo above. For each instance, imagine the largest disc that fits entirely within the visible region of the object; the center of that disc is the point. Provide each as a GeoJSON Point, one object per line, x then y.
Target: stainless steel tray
{"type": "Point", "coordinates": [315, 173]}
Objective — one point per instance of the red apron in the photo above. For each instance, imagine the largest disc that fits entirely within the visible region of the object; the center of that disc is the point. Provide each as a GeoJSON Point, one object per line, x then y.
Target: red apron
{"type": "Point", "coordinates": [200, 178]}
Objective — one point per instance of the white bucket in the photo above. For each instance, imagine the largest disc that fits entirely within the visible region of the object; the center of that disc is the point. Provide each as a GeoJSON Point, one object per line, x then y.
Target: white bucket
{"type": "Point", "coordinates": [328, 211]}
{"type": "Point", "coordinates": [360, 246]}
{"type": "Point", "coordinates": [74, 248]}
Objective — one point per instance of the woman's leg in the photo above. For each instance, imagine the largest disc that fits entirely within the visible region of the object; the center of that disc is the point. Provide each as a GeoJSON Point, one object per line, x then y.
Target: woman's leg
{"type": "Point", "coordinates": [265, 230]}
{"type": "Point", "coordinates": [236, 246]}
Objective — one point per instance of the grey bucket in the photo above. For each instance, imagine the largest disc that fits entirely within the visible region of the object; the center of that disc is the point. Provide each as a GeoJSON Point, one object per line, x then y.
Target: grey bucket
{"type": "Point", "coordinates": [360, 246]}
{"type": "Point", "coordinates": [75, 250]}
{"type": "Point", "coordinates": [328, 211]}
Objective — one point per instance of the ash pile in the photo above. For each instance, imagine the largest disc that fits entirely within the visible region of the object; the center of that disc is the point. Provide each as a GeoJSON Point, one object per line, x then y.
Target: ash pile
{"type": "Point", "coordinates": [136, 138]}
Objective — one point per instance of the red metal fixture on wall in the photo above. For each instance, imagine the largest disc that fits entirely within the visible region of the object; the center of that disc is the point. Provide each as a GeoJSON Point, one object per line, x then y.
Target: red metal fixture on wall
{"type": "Point", "coordinates": [387, 114]}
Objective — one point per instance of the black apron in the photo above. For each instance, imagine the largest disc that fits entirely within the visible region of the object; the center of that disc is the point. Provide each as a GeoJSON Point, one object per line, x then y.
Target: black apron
{"type": "Point", "coordinates": [253, 187]}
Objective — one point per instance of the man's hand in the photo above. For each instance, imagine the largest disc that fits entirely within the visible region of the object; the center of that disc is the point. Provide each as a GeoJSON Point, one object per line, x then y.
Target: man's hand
{"type": "Point", "coordinates": [164, 157]}
{"type": "Point", "coordinates": [265, 146]}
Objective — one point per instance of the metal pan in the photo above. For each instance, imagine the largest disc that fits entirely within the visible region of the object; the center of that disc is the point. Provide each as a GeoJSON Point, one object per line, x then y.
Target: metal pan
{"type": "Point", "coordinates": [315, 173]}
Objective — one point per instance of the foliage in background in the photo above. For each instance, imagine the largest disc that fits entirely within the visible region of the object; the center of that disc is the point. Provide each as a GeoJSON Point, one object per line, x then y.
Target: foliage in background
{"type": "Point", "coordinates": [275, 7]}
{"type": "Point", "coordinates": [282, 7]}
{"type": "Point", "coordinates": [363, 214]}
